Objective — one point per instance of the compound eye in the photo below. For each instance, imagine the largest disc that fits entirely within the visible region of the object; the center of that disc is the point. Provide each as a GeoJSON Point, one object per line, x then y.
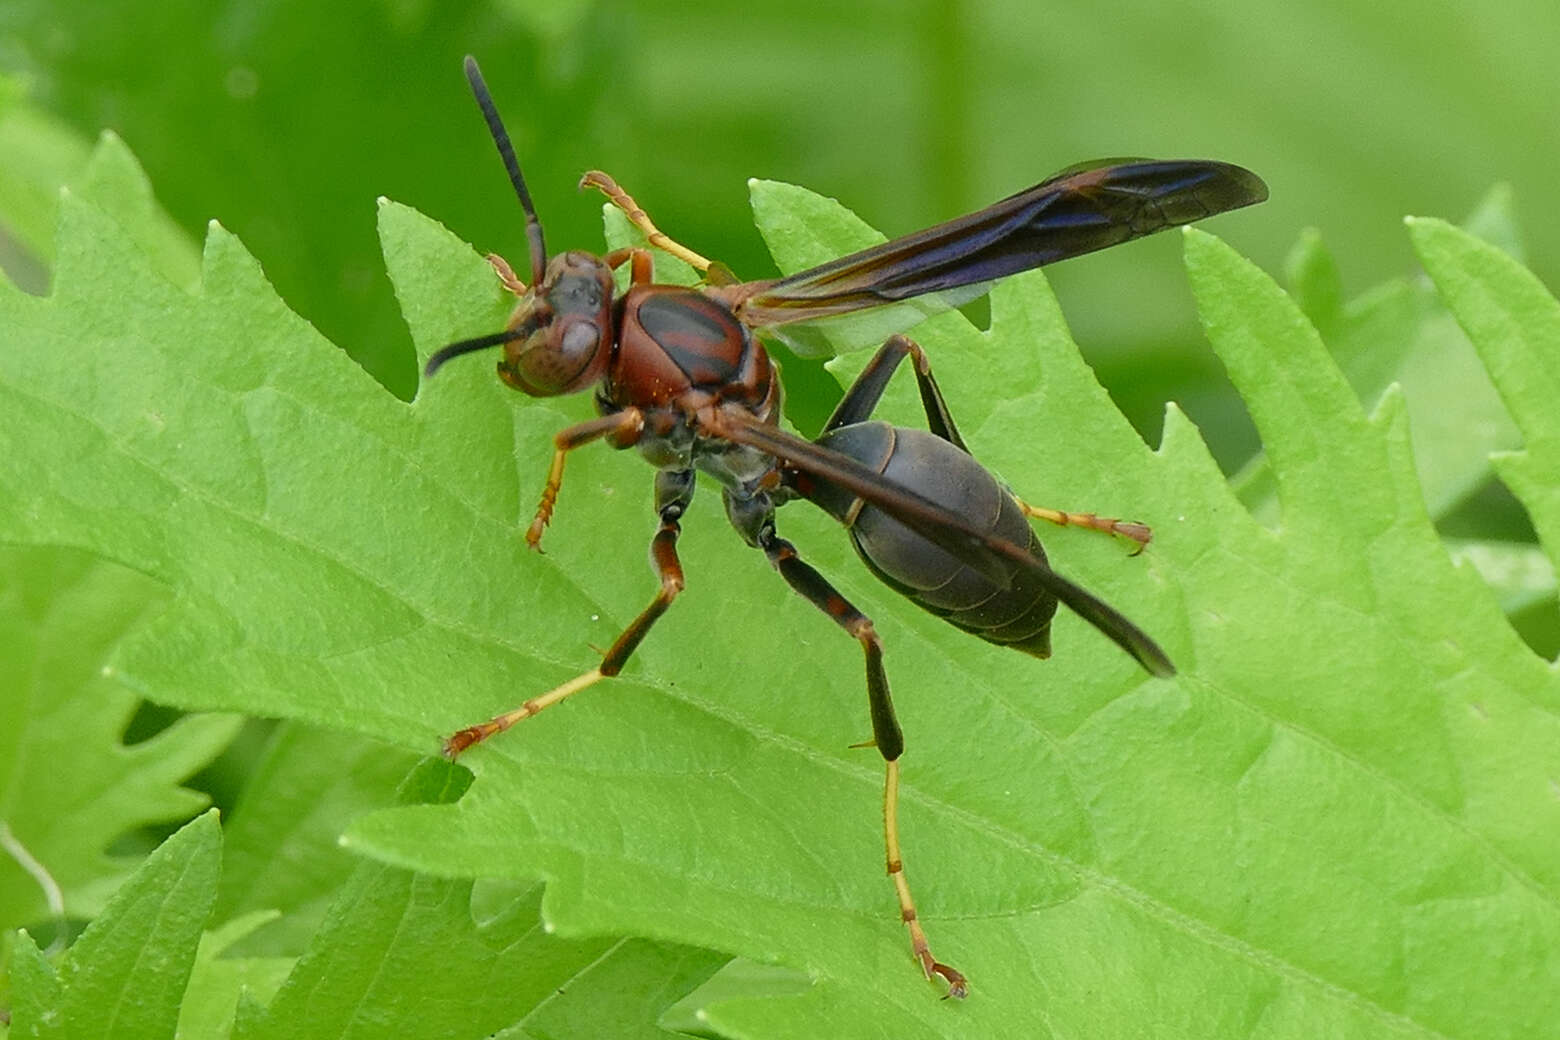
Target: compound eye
{"type": "Point", "coordinates": [579, 340]}
{"type": "Point", "coordinates": [558, 359]}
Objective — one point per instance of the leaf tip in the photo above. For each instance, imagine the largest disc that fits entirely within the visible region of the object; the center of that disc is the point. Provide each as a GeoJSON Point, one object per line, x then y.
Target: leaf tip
{"type": "Point", "coordinates": [1194, 237]}
{"type": "Point", "coordinates": [1196, 242]}
{"type": "Point", "coordinates": [1424, 229]}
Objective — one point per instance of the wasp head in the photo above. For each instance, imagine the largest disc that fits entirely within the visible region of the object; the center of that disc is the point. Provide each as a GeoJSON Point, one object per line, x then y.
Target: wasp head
{"type": "Point", "coordinates": [562, 329]}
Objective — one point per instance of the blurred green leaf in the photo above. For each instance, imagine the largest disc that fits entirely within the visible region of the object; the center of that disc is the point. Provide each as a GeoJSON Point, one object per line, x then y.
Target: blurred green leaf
{"type": "Point", "coordinates": [1402, 334]}
{"type": "Point", "coordinates": [285, 119]}
{"type": "Point", "coordinates": [1514, 324]}
{"type": "Point", "coordinates": [42, 157]}
{"type": "Point", "coordinates": [124, 978]}
{"type": "Point", "coordinates": [280, 849]}
{"type": "Point", "coordinates": [1314, 281]}
{"type": "Point", "coordinates": [1520, 574]}
{"type": "Point", "coordinates": [1494, 220]}
{"type": "Point", "coordinates": [41, 154]}
{"type": "Point", "coordinates": [220, 979]}
{"type": "Point", "coordinates": [61, 615]}
{"type": "Point", "coordinates": [622, 994]}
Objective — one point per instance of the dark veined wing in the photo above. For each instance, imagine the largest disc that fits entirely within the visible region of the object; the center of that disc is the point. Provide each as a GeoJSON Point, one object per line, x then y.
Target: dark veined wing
{"type": "Point", "coordinates": [995, 557]}
{"type": "Point", "coordinates": [1082, 209]}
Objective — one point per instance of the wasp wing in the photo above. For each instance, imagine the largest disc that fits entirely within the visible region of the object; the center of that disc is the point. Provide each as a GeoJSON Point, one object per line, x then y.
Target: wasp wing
{"type": "Point", "coordinates": [1082, 209]}
{"type": "Point", "coordinates": [992, 556]}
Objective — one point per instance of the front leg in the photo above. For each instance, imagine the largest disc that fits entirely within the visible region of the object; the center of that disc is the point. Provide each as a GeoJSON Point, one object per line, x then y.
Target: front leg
{"type": "Point", "coordinates": [506, 274]}
{"type": "Point", "coordinates": [623, 428]}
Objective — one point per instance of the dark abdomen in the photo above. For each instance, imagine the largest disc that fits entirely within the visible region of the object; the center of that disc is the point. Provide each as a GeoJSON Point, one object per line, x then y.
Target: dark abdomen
{"type": "Point", "coordinates": [1018, 616]}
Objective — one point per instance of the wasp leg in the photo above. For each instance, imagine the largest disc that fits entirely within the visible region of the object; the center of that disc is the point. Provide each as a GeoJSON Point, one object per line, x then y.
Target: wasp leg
{"type": "Point", "coordinates": [1131, 529]}
{"type": "Point", "coordinates": [640, 270]}
{"type": "Point", "coordinates": [623, 428]}
{"type": "Point", "coordinates": [640, 219]}
{"type": "Point", "coordinates": [506, 274]}
{"type": "Point", "coordinates": [673, 491]}
{"type": "Point", "coordinates": [887, 736]}
{"type": "Point", "coordinates": [865, 393]}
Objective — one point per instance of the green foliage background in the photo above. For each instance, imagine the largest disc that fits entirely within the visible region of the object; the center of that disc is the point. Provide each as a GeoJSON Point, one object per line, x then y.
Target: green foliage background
{"type": "Point", "coordinates": [285, 121]}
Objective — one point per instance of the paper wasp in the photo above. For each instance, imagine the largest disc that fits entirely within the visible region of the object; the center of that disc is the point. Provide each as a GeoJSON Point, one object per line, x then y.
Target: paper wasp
{"type": "Point", "coordinates": [680, 373]}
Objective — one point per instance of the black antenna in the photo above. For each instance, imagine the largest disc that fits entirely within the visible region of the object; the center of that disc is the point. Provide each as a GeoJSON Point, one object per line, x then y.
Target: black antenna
{"type": "Point", "coordinates": [506, 151]}
{"type": "Point", "coordinates": [466, 346]}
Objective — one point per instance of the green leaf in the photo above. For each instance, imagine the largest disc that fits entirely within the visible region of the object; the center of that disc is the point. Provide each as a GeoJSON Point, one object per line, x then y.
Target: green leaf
{"type": "Point", "coordinates": [1314, 281]}
{"type": "Point", "coordinates": [125, 975]}
{"type": "Point", "coordinates": [1440, 702]}
{"type": "Point", "coordinates": [221, 979]}
{"type": "Point", "coordinates": [290, 143]}
{"type": "Point", "coordinates": [1520, 574]}
{"type": "Point", "coordinates": [41, 154]}
{"type": "Point", "coordinates": [62, 613]}
{"type": "Point", "coordinates": [400, 955]}
{"type": "Point", "coordinates": [1514, 323]}
{"type": "Point", "coordinates": [802, 229]}
{"type": "Point", "coordinates": [947, 108]}
{"type": "Point", "coordinates": [1400, 333]}
{"type": "Point", "coordinates": [396, 952]}
{"type": "Point", "coordinates": [1494, 220]}
{"type": "Point", "coordinates": [621, 994]}
{"type": "Point", "coordinates": [1338, 821]}
{"type": "Point", "coordinates": [114, 179]}
{"type": "Point", "coordinates": [280, 851]}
